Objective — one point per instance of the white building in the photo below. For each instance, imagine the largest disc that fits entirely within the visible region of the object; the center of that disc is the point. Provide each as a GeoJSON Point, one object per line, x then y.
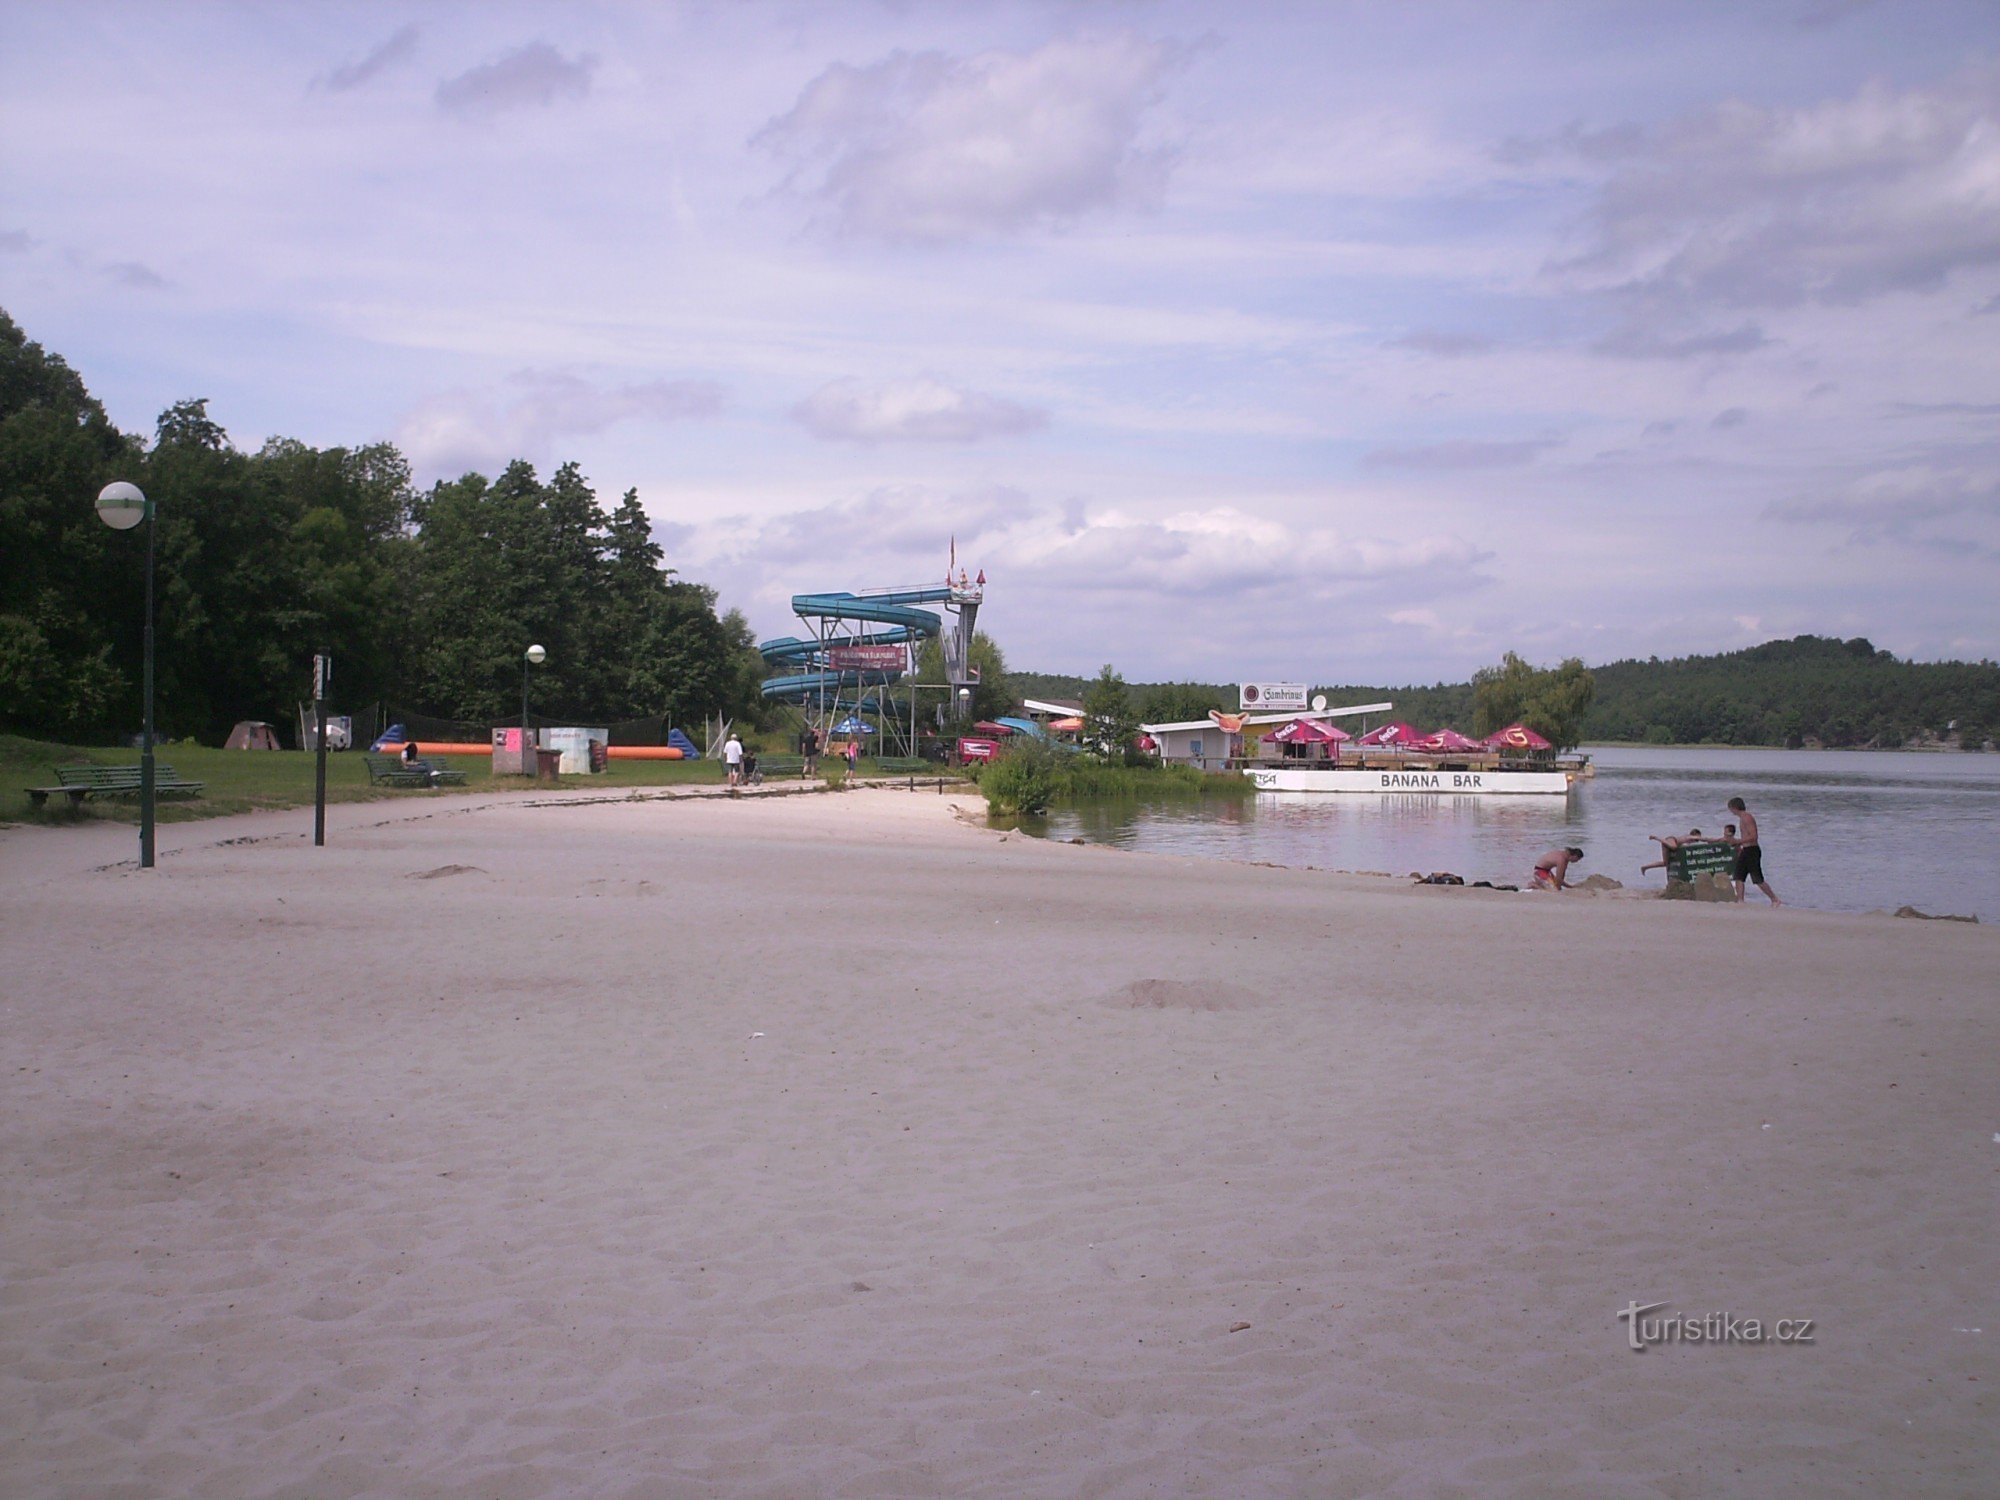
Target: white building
{"type": "Point", "coordinates": [1205, 743]}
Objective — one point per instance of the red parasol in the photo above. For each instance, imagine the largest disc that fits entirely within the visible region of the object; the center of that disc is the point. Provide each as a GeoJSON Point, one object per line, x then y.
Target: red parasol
{"type": "Point", "coordinates": [1397, 733]}
{"type": "Point", "coordinates": [1517, 737]}
{"type": "Point", "coordinates": [1445, 740]}
{"type": "Point", "coordinates": [987, 726]}
{"type": "Point", "coordinates": [1306, 732]}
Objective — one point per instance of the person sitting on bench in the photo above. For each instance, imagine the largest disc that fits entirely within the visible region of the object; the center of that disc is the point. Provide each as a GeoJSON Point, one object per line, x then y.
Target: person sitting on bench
{"type": "Point", "coordinates": [414, 761]}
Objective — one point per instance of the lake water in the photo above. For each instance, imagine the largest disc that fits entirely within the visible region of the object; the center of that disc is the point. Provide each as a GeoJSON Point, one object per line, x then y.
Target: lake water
{"type": "Point", "coordinates": [1842, 830]}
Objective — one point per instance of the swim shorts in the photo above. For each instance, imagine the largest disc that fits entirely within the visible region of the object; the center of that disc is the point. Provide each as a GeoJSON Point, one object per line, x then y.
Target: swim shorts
{"type": "Point", "coordinates": [1749, 864]}
{"type": "Point", "coordinates": [1543, 877]}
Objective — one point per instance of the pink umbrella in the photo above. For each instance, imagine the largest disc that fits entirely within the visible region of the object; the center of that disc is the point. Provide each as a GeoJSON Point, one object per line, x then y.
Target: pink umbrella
{"type": "Point", "coordinates": [1397, 733]}
{"type": "Point", "coordinates": [1445, 740]}
{"type": "Point", "coordinates": [1306, 732]}
{"type": "Point", "coordinates": [1517, 737]}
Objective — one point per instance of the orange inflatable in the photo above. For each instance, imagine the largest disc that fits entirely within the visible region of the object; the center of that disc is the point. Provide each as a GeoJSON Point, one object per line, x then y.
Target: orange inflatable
{"type": "Point", "coordinates": [615, 752]}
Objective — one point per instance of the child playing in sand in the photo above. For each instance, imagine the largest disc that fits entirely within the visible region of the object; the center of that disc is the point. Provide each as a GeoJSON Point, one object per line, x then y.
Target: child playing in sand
{"type": "Point", "coordinates": [1669, 843]}
{"type": "Point", "coordinates": [1552, 869]}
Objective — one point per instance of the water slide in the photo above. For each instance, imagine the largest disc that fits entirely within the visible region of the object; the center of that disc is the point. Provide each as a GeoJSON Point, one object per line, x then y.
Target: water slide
{"type": "Point", "coordinates": [808, 676]}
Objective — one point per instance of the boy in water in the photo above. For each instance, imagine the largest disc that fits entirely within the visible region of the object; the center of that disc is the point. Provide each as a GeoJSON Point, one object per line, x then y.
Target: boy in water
{"type": "Point", "coordinates": [1749, 855]}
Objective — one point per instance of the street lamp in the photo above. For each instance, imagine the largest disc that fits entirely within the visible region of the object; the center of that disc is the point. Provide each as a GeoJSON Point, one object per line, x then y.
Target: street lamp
{"type": "Point", "coordinates": [533, 656]}
{"type": "Point", "coordinates": [121, 506]}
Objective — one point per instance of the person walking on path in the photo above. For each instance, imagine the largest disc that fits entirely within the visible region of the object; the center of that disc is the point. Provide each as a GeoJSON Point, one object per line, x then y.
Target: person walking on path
{"type": "Point", "coordinates": [1749, 855]}
{"type": "Point", "coordinates": [732, 757]}
{"type": "Point", "coordinates": [1552, 869]}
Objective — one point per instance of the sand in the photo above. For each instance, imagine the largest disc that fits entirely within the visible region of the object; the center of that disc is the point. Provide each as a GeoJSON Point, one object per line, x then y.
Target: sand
{"type": "Point", "coordinates": [831, 1145]}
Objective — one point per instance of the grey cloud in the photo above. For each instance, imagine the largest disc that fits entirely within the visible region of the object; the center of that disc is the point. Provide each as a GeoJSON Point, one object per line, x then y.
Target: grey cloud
{"type": "Point", "coordinates": [353, 75]}
{"type": "Point", "coordinates": [1945, 408]}
{"type": "Point", "coordinates": [1664, 428]}
{"type": "Point", "coordinates": [1954, 511]}
{"type": "Point", "coordinates": [1635, 342]}
{"type": "Point", "coordinates": [1987, 308]}
{"type": "Point", "coordinates": [1574, 142]}
{"type": "Point", "coordinates": [908, 523]}
{"type": "Point", "coordinates": [1433, 341]}
{"type": "Point", "coordinates": [917, 411]}
{"type": "Point", "coordinates": [467, 430]}
{"type": "Point", "coordinates": [1834, 202]}
{"type": "Point", "coordinates": [536, 74]}
{"type": "Point", "coordinates": [1462, 454]}
{"type": "Point", "coordinates": [1734, 416]}
{"type": "Point", "coordinates": [925, 146]}
{"type": "Point", "coordinates": [17, 241]}
{"type": "Point", "coordinates": [131, 273]}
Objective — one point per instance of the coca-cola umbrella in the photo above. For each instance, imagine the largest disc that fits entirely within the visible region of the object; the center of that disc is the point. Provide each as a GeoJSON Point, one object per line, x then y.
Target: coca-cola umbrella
{"type": "Point", "coordinates": [1445, 741]}
{"type": "Point", "coordinates": [1517, 737]}
{"type": "Point", "coordinates": [1306, 732]}
{"type": "Point", "coordinates": [1393, 733]}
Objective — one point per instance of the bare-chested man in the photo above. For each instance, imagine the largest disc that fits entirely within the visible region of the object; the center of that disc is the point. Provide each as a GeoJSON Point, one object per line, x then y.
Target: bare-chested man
{"type": "Point", "coordinates": [1749, 855]}
{"type": "Point", "coordinates": [1552, 869]}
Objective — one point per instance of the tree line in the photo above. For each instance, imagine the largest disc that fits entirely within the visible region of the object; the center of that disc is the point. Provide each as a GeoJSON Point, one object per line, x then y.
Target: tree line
{"type": "Point", "coordinates": [1810, 690]}
{"type": "Point", "coordinates": [426, 600]}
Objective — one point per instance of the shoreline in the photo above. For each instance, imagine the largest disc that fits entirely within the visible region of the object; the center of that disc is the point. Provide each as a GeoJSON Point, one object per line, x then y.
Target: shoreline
{"type": "Point", "coordinates": [837, 1144]}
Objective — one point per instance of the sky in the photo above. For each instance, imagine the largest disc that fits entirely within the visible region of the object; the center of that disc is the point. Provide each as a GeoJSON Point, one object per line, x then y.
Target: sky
{"type": "Point", "coordinates": [1264, 341]}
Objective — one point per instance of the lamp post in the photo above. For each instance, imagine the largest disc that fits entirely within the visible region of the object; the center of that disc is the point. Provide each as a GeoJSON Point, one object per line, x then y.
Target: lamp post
{"type": "Point", "coordinates": [533, 656]}
{"type": "Point", "coordinates": [121, 506]}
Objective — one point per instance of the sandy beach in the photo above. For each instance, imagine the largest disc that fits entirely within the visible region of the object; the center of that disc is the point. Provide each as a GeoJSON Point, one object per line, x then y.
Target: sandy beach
{"type": "Point", "coordinates": [834, 1145]}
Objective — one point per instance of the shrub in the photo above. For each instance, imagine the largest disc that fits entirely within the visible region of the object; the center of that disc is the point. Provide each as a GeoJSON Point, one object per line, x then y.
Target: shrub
{"type": "Point", "coordinates": [1024, 779]}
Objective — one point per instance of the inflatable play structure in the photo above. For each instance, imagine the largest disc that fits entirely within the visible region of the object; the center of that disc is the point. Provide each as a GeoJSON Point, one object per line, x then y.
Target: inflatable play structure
{"type": "Point", "coordinates": [860, 643]}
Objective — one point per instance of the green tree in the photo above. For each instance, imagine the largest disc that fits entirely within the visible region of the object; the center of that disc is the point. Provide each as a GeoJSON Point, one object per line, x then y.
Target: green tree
{"type": "Point", "coordinates": [1552, 702]}
{"type": "Point", "coordinates": [1110, 722]}
{"type": "Point", "coordinates": [992, 695]}
{"type": "Point", "coordinates": [1178, 702]}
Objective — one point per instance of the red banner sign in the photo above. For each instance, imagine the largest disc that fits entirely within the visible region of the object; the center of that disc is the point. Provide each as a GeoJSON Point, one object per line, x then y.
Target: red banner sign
{"type": "Point", "coordinates": [977, 749]}
{"type": "Point", "coordinates": [865, 658]}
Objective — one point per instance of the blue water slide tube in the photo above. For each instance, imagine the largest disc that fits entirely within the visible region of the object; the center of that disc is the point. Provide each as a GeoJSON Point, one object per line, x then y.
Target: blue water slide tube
{"type": "Point", "coordinates": [811, 678]}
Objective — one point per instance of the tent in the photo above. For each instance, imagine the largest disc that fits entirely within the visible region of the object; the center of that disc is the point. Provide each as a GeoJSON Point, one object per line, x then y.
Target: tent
{"type": "Point", "coordinates": [1445, 740]}
{"type": "Point", "coordinates": [252, 734]}
{"type": "Point", "coordinates": [851, 725]}
{"type": "Point", "coordinates": [1517, 737]}
{"type": "Point", "coordinates": [1306, 732]}
{"type": "Point", "coordinates": [1397, 733]}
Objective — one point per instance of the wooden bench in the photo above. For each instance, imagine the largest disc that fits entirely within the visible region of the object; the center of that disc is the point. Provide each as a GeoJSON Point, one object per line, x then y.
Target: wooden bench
{"type": "Point", "coordinates": [78, 782]}
{"type": "Point", "coordinates": [389, 770]}
{"type": "Point", "coordinates": [903, 765]}
{"type": "Point", "coordinates": [776, 767]}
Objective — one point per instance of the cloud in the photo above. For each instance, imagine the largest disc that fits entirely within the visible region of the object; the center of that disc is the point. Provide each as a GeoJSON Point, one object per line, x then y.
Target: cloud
{"type": "Point", "coordinates": [131, 273]}
{"type": "Point", "coordinates": [926, 146]}
{"type": "Point", "coordinates": [1905, 506]}
{"type": "Point", "coordinates": [1220, 557]}
{"type": "Point", "coordinates": [1635, 342]}
{"type": "Point", "coordinates": [1448, 345]}
{"type": "Point", "coordinates": [353, 75]}
{"type": "Point", "coordinates": [17, 241]}
{"type": "Point", "coordinates": [1836, 202]}
{"type": "Point", "coordinates": [462, 430]}
{"type": "Point", "coordinates": [1461, 454]}
{"type": "Point", "coordinates": [1734, 416]}
{"type": "Point", "coordinates": [912, 411]}
{"type": "Point", "coordinates": [536, 74]}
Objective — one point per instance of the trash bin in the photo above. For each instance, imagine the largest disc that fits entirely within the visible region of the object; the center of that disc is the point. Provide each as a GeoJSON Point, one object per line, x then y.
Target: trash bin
{"type": "Point", "coordinates": [548, 764]}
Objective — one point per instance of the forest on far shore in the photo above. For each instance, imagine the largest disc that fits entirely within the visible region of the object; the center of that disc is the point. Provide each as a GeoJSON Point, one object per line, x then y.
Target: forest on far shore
{"type": "Point", "coordinates": [1810, 690]}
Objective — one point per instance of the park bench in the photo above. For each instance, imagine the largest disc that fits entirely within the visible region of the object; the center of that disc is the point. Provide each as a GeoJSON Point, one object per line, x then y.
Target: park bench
{"type": "Point", "coordinates": [1703, 858]}
{"type": "Point", "coordinates": [389, 770]}
{"type": "Point", "coordinates": [78, 782]}
{"type": "Point", "coordinates": [903, 765]}
{"type": "Point", "coordinates": [780, 767]}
